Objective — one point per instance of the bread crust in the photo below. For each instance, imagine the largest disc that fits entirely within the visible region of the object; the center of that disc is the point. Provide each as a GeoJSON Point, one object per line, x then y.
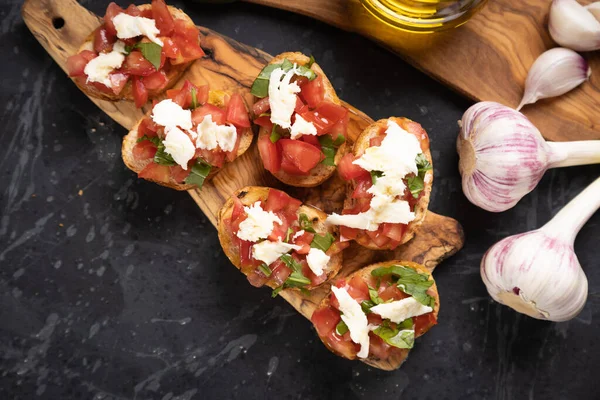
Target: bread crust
{"type": "Point", "coordinates": [397, 357]}
{"type": "Point", "coordinates": [361, 144]}
{"type": "Point", "coordinates": [175, 72]}
{"type": "Point", "coordinates": [321, 172]}
{"type": "Point", "coordinates": [248, 196]}
{"type": "Point", "coordinates": [130, 140]}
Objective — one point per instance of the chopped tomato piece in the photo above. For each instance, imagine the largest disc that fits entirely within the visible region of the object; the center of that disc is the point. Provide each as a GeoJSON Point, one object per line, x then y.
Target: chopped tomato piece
{"type": "Point", "coordinates": [170, 48]}
{"type": "Point", "coordinates": [313, 92]}
{"type": "Point", "coordinates": [218, 115]}
{"type": "Point", "coordinates": [423, 323]}
{"type": "Point", "coordinates": [349, 171]}
{"type": "Point", "coordinates": [264, 122]}
{"type": "Point", "coordinates": [118, 81]}
{"type": "Point", "coordinates": [394, 231]}
{"type": "Point", "coordinates": [280, 272]}
{"type": "Point", "coordinates": [179, 174]}
{"type": "Point", "coordinates": [156, 172]}
{"type": "Point", "coordinates": [378, 238]}
{"type": "Point", "coordinates": [237, 114]}
{"type": "Point", "coordinates": [147, 128]}
{"type": "Point", "coordinates": [289, 167]}
{"type": "Point", "coordinates": [257, 278]}
{"type": "Point", "coordinates": [348, 233]}
{"type": "Point", "coordinates": [310, 139]}
{"type": "Point", "coordinates": [261, 107]}
{"type": "Point", "coordinates": [111, 11]}
{"type": "Point", "coordinates": [302, 155]}
{"type": "Point", "coordinates": [156, 81]}
{"type": "Point", "coordinates": [300, 106]}
{"type": "Point", "coordinates": [376, 141]}
{"type": "Point", "coordinates": [140, 94]}
{"type": "Point", "coordinates": [245, 251]}
{"type": "Point", "coordinates": [76, 63]}
{"type": "Point", "coordinates": [162, 17]}
{"type": "Point", "coordinates": [269, 153]}
{"type": "Point", "coordinates": [325, 320]}
{"type": "Point", "coordinates": [276, 200]}
{"type": "Point", "coordinates": [325, 116]}
{"type": "Point", "coordinates": [144, 150]}
{"type": "Point", "coordinates": [136, 64]}
{"type": "Point", "coordinates": [133, 10]}
{"type": "Point", "coordinates": [305, 240]}
{"type": "Point", "coordinates": [378, 348]}
{"type": "Point", "coordinates": [392, 293]}
{"type": "Point", "coordinates": [103, 41]}
{"type": "Point", "coordinates": [186, 31]}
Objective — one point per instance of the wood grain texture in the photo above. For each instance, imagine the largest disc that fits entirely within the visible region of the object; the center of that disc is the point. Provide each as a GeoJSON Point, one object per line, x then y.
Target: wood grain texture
{"type": "Point", "coordinates": [486, 59]}
{"type": "Point", "coordinates": [232, 66]}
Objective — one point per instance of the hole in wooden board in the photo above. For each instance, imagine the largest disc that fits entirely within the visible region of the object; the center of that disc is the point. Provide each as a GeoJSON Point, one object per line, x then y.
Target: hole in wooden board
{"type": "Point", "coordinates": [58, 22]}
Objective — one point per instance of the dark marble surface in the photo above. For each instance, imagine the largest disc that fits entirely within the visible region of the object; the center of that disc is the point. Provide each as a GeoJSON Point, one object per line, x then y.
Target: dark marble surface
{"type": "Point", "coordinates": [115, 288]}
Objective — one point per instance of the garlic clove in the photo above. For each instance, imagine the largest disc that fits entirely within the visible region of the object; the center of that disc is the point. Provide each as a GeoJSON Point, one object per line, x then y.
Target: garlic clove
{"type": "Point", "coordinates": [573, 26]}
{"type": "Point", "coordinates": [537, 275]}
{"type": "Point", "coordinates": [594, 8]}
{"type": "Point", "coordinates": [554, 73]}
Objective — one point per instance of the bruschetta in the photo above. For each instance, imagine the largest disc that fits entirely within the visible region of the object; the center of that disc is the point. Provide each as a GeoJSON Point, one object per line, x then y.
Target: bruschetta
{"type": "Point", "coordinates": [389, 175]}
{"type": "Point", "coordinates": [187, 137]}
{"type": "Point", "coordinates": [277, 241]}
{"type": "Point", "coordinates": [376, 313]}
{"type": "Point", "coordinates": [136, 53]}
{"type": "Point", "coordinates": [302, 123]}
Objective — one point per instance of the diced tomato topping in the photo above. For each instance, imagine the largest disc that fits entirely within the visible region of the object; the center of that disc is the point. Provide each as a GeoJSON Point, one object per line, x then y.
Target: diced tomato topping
{"type": "Point", "coordinates": [144, 150]}
{"type": "Point", "coordinates": [325, 116]}
{"type": "Point", "coordinates": [305, 240]}
{"type": "Point", "coordinates": [257, 278]}
{"type": "Point", "coordinates": [103, 41]}
{"type": "Point", "coordinates": [133, 10]}
{"type": "Point", "coordinates": [76, 63]}
{"type": "Point", "coordinates": [300, 106]}
{"type": "Point", "coordinates": [162, 17]}
{"type": "Point", "coordinates": [325, 320]}
{"type": "Point", "coordinates": [278, 200]}
{"type": "Point", "coordinates": [179, 174]}
{"type": "Point", "coordinates": [392, 293]}
{"type": "Point", "coordinates": [313, 92]}
{"type": "Point", "coordinates": [214, 158]}
{"type": "Point", "coordinates": [302, 155]}
{"type": "Point", "coordinates": [290, 168]}
{"type": "Point", "coordinates": [265, 122]}
{"type": "Point", "coordinates": [261, 107]}
{"type": "Point", "coordinates": [184, 96]}
{"type": "Point", "coordinates": [147, 128]}
{"type": "Point", "coordinates": [140, 94]}
{"type": "Point", "coordinates": [112, 11]}
{"type": "Point", "coordinates": [394, 231]}
{"type": "Point", "coordinates": [378, 238]}
{"type": "Point", "coordinates": [245, 251]}
{"type": "Point", "coordinates": [349, 171]}
{"type": "Point", "coordinates": [269, 154]}
{"type": "Point", "coordinates": [310, 139]}
{"type": "Point", "coordinates": [156, 172]}
{"type": "Point", "coordinates": [218, 115]}
{"type": "Point", "coordinates": [118, 81]}
{"type": "Point", "coordinates": [238, 209]}
{"type": "Point", "coordinates": [237, 114]}
{"type": "Point", "coordinates": [423, 323]}
{"type": "Point", "coordinates": [136, 64]}
{"type": "Point", "coordinates": [156, 81]}
{"type": "Point", "coordinates": [170, 48]}
{"type": "Point", "coordinates": [376, 140]}
{"type": "Point", "coordinates": [378, 348]}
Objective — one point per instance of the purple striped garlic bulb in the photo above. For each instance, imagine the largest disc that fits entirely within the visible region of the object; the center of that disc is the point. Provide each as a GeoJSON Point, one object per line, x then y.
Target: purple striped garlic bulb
{"type": "Point", "coordinates": [503, 155]}
{"type": "Point", "coordinates": [537, 273]}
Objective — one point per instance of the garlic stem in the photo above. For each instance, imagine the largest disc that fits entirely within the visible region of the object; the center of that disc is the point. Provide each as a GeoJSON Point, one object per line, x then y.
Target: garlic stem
{"type": "Point", "coordinates": [571, 218]}
{"type": "Point", "coordinates": [568, 154]}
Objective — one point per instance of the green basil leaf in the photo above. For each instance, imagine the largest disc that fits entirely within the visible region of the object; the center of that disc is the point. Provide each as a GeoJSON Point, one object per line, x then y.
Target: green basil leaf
{"type": "Point", "coordinates": [328, 148]}
{"type": "Point", "coordinates": [155, 139]}
{"type": "Point", "coordinates": [198, 174]}
{"type": "Point", "coordinates": [275, 136]}
{"type": "Point", "coordinates": [341, 328]}
{"type": "Point", "coordinates": [366, 306]}
{"type": "Point", "coordinates": [260, 86]}
{"type": "Point", "coordinates": [402, 339]}
{"type": "Point", "coordinates": [128, 49]}
{"type": "Point", "coordinates": [292, 264]}
{"type": "Point", "coordinates": [264, 268]}
{"type": "Point", "coordinates": [276, 291]}
{"type": "Point", "coordinates": [288, 234]}
{"type": "Point", "coordinates": [151, 52]}
{"type": "Point", "coordinates": [296, 278]}
{"type": "Point", "coordinates": [423, 163]}
{"type": "Point", "coordinates": [322, 242]}
{"type": "Point", "coordinates": [162, 157]}
{"type": "Point", "coordinates": [339, 140]}
{"type": "Point", "coordinates": [194, 104]}
{"type": "Point", "coordinates": [311, 61]}
{"type": "Point", "coordinates": [305, 223]}
{"type": "Point", "coordinates": [375, 296]}
{"type": "Point", "coordinates": [410, 282]}
{"type": "Point", "coordinates": [415, 185]}
{"type": "Point", "coordinates": [375, 175]}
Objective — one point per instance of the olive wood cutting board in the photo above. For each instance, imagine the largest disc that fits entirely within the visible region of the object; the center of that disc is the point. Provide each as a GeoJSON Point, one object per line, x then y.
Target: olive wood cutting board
{"type": "Point", "coordinates": [486, 59]}
{"type": "Point", "coordinates": [229, 65]}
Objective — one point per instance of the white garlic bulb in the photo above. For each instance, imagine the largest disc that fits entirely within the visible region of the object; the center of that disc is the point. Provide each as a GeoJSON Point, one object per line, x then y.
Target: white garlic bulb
{"type": "Point", "coordinates": [537, 273]}
{"type": "Point", "coordinates": [503, 156]}
{"type": "Point", "coordinates": [574, 26]}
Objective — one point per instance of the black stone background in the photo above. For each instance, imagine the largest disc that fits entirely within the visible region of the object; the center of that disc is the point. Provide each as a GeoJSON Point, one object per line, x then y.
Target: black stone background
{"type": "Point", "coordinates": [123, 292]}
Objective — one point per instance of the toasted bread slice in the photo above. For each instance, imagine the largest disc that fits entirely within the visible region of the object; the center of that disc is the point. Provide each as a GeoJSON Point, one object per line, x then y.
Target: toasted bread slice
{"type": "Point", "coordinates": [321, 172]}
{"type": "Point", "coordinates": [398, 356]}
{"type": "Point", "coordinates": [361, 144]}
{"type": "Point", "coordinates": [251, 194]}
{"type": "Point", "coordinates": [175, 72]}
{"type": "Point", "coordinates": [216, 98]}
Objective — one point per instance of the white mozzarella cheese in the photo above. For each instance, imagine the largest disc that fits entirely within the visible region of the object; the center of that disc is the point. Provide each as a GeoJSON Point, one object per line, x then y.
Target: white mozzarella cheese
{"type": "Point", "coordinates": [356, 320]}
{"type": "Point", "coordinates": [282, 97]}
{"type": "Point", "coordinates": [383, 209]}
{"type": "Point", "coordinates": [128, 26]}
{"type": "Point", "coordinates": [211, 135]}
{"type": "Point", "coordinates": [399, 310]}
{"type": "Point", "coordinates": [317, 261]}
{"type": "Point", "coordinates": [358, 221]}
{"type": "Point", "coordinates": [258, 225]}
{"type": "Point", "coordinates": [119, 47]}
{"type": "Point", "coordinates": [99, 68]}
{"type": "Point", "coordinates": [269, 252]}
{"type": "Point", "coordinates": [298, 234]}
{"type": "Point", "coordinates": [179, 145]}
{"type": "Point", "coordinates": [170, 114]}
{"type": "Point", "coordinates": [302, 127]}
